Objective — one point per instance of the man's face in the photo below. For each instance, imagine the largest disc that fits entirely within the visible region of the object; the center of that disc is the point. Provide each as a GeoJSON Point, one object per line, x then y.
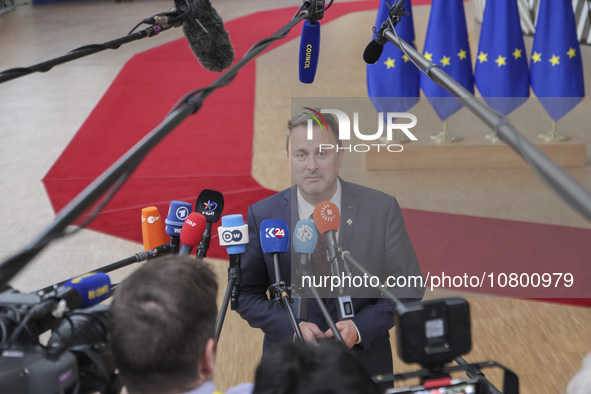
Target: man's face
{"type": "Point", "coordinates": [314, 170]}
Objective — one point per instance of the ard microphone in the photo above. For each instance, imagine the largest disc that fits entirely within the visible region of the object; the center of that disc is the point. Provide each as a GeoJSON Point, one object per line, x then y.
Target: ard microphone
{"type": "Point", "coordinates": [178, 211]}
{"type": "Point", "coordinates": [309, 51]}
{"type": "Point", "coordinates": [93, 288]}
{"type": "Point", "coordinates": [210, 203]}
{"type": "Point", "coordinates": [208, 39]}
{"type": "Point", "coordinates": [191, 232]}
{"type": "Point", "coordinates": [153, 233]}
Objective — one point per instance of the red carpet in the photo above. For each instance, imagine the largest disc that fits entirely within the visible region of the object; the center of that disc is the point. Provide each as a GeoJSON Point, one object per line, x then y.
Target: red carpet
{"type": "Point", "coordinates": [192, 159]}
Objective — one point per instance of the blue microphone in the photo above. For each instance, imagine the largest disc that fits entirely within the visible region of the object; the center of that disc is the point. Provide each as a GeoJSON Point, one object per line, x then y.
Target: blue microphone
{"type": "Point", "coordinates": [305, 237]}
{"type": "Point", "coordinates": [233, 234]}
{"type": "Point", "coordinates": [274, 236]}
{"type": "Point", "coordinates": [178, 211]}
{"type": "Point", "coordinates": [309, 51]}
{"type": "Point", "coordinates": [93, 288]}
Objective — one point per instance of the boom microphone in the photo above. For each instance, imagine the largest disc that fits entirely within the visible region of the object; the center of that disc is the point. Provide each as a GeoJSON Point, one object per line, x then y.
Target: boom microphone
{"type": "Point", "coordinates": [309, 50]}
{"type": "Point", "coordinates": [209, 42]}
{"type": "Point", "coordinates": [191, 232]}
{"type": "Point", "coordinates": [153, 233]}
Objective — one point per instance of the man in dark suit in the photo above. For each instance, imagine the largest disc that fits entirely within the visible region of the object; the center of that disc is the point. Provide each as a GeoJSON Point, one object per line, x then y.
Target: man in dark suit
{"type": "Point", "coordinates": [371, 228]}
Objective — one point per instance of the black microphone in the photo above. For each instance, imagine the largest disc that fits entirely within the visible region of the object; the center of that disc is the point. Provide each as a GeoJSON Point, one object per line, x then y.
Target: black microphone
{"type": "Point", "coordinates": [207, 37]}
{"type": "Point", "coordinates": [374, 49]}
{"type": "Point", "coordinates": [210, 203]}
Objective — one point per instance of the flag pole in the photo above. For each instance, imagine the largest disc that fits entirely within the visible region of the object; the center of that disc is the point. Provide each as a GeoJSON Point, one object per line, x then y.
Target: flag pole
{"type": "Point", "coordinates": [553, 136]}
{"type": "Point", "coordinates": [444, 137]}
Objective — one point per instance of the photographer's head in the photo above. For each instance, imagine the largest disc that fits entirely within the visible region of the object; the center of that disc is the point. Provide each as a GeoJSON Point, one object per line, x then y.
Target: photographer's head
{"type": "Point", "coordinates": [314, 162]}
{"type": "Point", "coordinates": [303, 368]}
{"type": "Point", "coordinates": [162, 326]}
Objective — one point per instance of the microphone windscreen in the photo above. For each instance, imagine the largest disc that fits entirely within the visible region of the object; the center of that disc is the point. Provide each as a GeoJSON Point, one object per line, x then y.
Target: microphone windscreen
{"type": "Point", "coordinates": [92, 288]}
{"type": "Point", "coordinates": [305, 236]}
{"type": "Point", "coordinates": [309, 51]}
{"type": "Point", "coordinates": [193, 229]}
{"type": "Point", "coordinates": [178, 211]}
{"type": "Point", "coordinates": [153, 233]}
{"type": "Point", "coordinates": [233, 234]}
{"type": "Point", "coordinates": [327, 217]}
{"type": "Point", "coordinates": [213, 49]}
{"type": "Point", "coordinates": [372, 52]}
{"type": "Point", "coordinates": [210, 203]}
{"type": "Point", "coordinates": [274, 236]}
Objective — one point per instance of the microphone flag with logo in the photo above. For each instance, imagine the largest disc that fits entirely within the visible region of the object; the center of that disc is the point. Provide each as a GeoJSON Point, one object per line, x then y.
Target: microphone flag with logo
{"type": "Point", "coordinates": [447, 46]}
{"type": "Point", "coordinates": [556, 64]}
{"type": "Point", "coordinates": [501, 73]}
{"type": "Point", "coordinates": [393, 81]}
{"type": "Point", "coordinates": [274, 236]}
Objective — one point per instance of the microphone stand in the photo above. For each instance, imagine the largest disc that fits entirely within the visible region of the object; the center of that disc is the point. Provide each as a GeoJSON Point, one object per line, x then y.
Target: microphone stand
{"type": "Point", "coordinates": [558, 180]}
{"type": "Point", "coordinates": [231, 294]}
{"type": "Point", "coordinates": [86, 50]}
{"type": "Point", "coordinates": [280, 290]}
{"type": "Point", "coordinates": [127, 163]}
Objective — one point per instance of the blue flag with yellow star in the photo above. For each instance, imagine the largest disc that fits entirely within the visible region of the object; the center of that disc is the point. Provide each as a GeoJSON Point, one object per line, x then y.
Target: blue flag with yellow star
{"type": "Point", "coordinates": [501, 72]}
{"type": "Point", "coordinates": [447, 46]}
{"type": "Point", "coordinates": [393, 81]}
{"type": "Point", "coordinates": [556, 65]}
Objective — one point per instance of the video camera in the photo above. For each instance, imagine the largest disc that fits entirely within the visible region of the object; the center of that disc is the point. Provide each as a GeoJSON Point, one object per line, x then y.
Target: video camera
{"type": "Point", "coordinates": [75, 359]}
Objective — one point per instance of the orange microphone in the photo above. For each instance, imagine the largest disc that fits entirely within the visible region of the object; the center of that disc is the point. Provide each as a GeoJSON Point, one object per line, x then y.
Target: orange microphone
{"type": "Point", "coordinates": [153, 233]}
{"type": "Point", "coordinates": [327, 217]}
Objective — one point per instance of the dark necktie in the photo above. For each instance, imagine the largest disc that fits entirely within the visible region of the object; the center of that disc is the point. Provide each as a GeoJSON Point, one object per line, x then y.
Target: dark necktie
{"type": "Point", "coordinates": [321, 265]}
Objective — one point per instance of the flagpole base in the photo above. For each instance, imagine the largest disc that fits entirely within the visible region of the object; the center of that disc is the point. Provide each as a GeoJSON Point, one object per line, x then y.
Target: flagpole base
{"type": "Point", "coordinates": [397, 138]}
{"type": "Point", "coordinates": [443, 137]}
{"type": "Point", "coordinates": [553, 137]}
{"type": "Point", "coordinates": [493, 138]}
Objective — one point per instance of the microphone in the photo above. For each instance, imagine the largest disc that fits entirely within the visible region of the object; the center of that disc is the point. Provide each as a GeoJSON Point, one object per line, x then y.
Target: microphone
{"type": "Point", "coordinates": [178, 211]}
{"type": "Point", "coordinates": [309, 50]}
{"type": "Point", "coordinates": [191, 232]}
{"type": "Point", "coordinates": [233, 234]}
{"type": "Point", "coordinates": [153, 233]}
{"type": "Point", "coordinates": [93, 288]}
{"type": "Point", "coordinates": [327, 219]}
{"type": "Point", "coordinates": [210, 203]}
{"type": "Point", "coordinates": [207, 37]}
{"type": "Point", "coordinates": [374, 49]}
{"type": "Point", "coordinates": [305, 237]}
{"type": "Point", "coordinates": [274, 238]}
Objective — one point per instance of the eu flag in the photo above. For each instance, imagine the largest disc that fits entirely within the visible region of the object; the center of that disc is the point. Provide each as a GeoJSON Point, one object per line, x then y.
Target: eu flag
{"type": "Point", "coordinates": [556, 65]}
{"type": "Point", "coordinates": [393, 81]}
{"type": "Point", "coordinates": [447, 46]}
{"type": "Point", "coordinates": [501, 72]}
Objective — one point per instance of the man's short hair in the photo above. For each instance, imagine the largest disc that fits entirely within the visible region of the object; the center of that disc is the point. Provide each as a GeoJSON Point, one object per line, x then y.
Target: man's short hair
{"type": "Point", "coordinates": [301, 119]}
{"type": "Point", "coordinates": [302, 368]}
{"type": "Point", "coordinates": [162, 317]}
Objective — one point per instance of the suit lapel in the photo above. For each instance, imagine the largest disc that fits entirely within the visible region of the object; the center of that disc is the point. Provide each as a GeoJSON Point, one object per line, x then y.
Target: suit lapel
{"type": "Point", "coordinates": [349, 209]}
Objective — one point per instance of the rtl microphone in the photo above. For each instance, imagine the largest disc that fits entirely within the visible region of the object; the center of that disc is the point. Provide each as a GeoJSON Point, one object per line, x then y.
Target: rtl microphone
{"type": "Point", "coordinates": [210, 203]}
{"type": "Point", "coordinates": [305, 237]}
{"type": "Point", "coordinates": [233, 234]}
{"type": "Point", "coordinates": [207, 38]}
{"type": "Point", "coordinates": [153, 233]}
{"type": "Point", "coordinates": [327, 219]}
{"type": "Point", "coordinates": [191, 232]}
{"type": "Point", "coordinates": [178, 211]}
{"type": "Point", "coordinates": [93, 288]}
{"type": "Point", "coordinates": [309, 51]}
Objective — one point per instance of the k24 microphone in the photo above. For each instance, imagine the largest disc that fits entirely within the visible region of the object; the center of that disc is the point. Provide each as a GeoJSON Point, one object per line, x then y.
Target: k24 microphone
{"type": "Point", "coordinates": [309, 51]}
{"type": "Point", "coordinates": [208, 39]}
{"type": "Point", "coordinates": [274, 236]}
{"type": "Point", "coordinates": [93, 288]}
{"type": "Point", "coordinates": [192, 232]}
{"type": "Point", "coordinates": [153, 233]}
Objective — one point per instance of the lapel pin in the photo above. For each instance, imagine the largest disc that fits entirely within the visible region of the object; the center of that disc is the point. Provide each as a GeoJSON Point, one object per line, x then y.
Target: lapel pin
{"type": "Point", "coordinates": [349, 222]}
